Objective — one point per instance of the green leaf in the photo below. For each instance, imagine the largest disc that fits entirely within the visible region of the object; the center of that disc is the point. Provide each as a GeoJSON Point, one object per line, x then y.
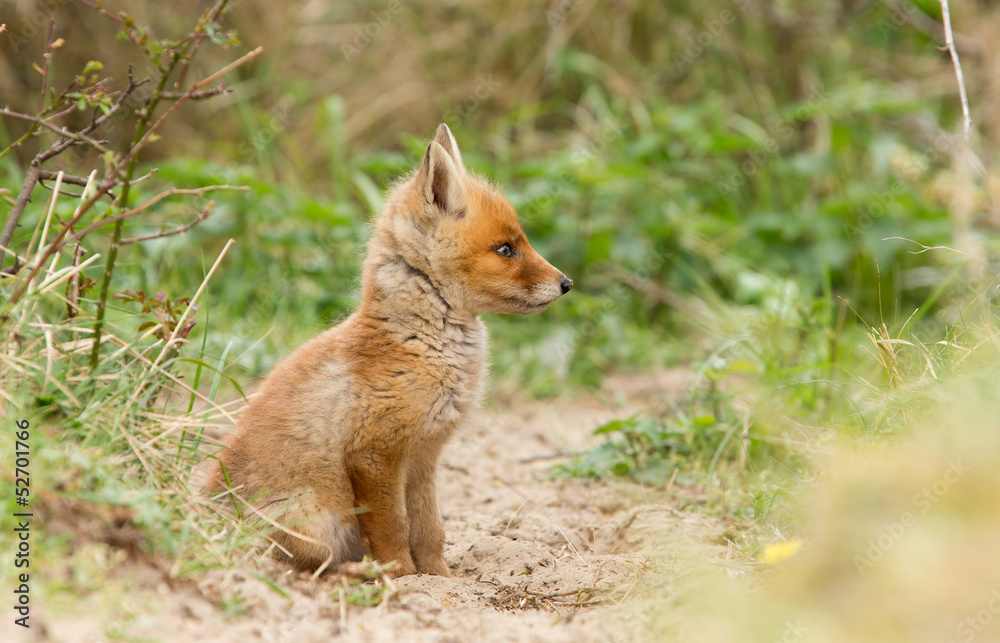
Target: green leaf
{"type": "Point", "coordinates": [271, 584]}
{"type": "Point", "coordinates": [648, 428]}
{"type": "Point", "coordinates": [621, 468]}
{"type": "Point", "coordinates": [614, 425]}
{"type": "Point", "coordinates": [610, 427]}
{"type": "Point", "coordinates": [763, 501]}
{"type": "Point", "coordinates": [202, 364]}
{"type": "Point", "coordinates": [370, 193]}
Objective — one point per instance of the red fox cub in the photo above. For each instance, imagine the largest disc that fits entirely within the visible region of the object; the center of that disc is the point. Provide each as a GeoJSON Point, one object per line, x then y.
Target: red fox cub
{"type": "Point", "coordinates": [341, 442]}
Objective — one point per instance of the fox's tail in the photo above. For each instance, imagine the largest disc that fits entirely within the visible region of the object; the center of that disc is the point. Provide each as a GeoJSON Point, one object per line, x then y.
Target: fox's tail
{"type": "Point", "coordinates": [312, 536]}
{"type": "Point", "coordinates": [307, 535]}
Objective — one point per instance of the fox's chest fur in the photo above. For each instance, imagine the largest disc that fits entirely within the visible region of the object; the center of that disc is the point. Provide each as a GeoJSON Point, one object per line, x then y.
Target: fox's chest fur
{"type": "Point", "coordinates": [432, 360]}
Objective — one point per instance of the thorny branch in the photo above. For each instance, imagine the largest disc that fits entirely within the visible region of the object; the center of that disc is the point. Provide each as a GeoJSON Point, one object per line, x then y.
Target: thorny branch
{"type": "Point", "coordinates": [138, 209]}
{"type": "Point", "coordinates": [104, 12]}
{"type": "Point", "coordinates": [79, 137]}
{"type": "Point", "coordinates": [65, 140]}
{"type": "Point", "coordinates": [169, 233]}
{"type": "Point", "coordinates": [112, 178]}
{"type": "Point", "coordinates": [180, 101]}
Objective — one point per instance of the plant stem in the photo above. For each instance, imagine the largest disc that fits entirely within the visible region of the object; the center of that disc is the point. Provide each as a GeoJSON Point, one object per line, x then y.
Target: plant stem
{"type": "Point", "coordinates": [109, 265]}
{"type": "Point", "coordinates": [34, 171]}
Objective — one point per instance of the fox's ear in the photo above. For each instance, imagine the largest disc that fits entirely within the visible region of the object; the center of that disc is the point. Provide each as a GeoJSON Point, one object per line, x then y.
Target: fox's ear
{"type": "Point", "coordinates": [440, 181]}
{"type": "Point", "coordinates": [444, 138]}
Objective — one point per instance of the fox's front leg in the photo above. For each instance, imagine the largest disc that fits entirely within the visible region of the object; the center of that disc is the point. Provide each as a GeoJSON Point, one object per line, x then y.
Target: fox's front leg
{"type": "Point", "coordinates": [426, 529]}
{"type": "Point", "coordinates": [379, 490]}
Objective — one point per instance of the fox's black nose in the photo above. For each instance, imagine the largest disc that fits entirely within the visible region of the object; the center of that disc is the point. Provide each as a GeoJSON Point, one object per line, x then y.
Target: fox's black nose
{"type": "Point", "coordinates": [566, 284]}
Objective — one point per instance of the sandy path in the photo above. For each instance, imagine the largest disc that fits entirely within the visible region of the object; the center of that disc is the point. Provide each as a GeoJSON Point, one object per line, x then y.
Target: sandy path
{"type": "Point", "coordinates": [534, 559]}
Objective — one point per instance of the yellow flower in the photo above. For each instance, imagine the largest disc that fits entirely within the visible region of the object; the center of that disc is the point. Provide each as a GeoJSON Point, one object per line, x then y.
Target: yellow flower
{"type": "Point", "coordinates": [774, 554]}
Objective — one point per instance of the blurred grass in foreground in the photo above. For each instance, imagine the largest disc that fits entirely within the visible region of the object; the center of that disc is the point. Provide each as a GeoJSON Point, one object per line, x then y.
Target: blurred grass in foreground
{"type": "Point", "coordinates": [899, 538]}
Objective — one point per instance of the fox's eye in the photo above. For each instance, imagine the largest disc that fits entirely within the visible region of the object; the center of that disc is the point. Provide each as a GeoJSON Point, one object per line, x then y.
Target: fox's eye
{"type": "Point", "coordinates": [505, 250]}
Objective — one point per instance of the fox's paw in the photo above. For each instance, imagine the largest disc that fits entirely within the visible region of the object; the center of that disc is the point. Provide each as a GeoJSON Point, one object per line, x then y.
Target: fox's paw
{"type": "Point", "coordinates": [435, 566]}
{"type": "Point", "coordinates": [401, 569]}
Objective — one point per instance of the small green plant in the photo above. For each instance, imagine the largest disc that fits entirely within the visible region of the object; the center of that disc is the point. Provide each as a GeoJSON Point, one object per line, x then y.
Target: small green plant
{"type": "Point", "coordinates": [167, 313]}
{"type": "Point", "coordinates": [639, 447]}
{"type": "Point", "coordinates": [233, 605]}
{"type": "Point", "coordinates": [365, 583]}
{"type": "Point", "coordinates": [367, 594]}
{"type": "Point", "coordinates": [685, 445]}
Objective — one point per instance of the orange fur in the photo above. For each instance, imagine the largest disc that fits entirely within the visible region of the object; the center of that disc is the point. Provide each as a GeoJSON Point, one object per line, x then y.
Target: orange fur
{"type": "Point", "coordinates": [342, 439]}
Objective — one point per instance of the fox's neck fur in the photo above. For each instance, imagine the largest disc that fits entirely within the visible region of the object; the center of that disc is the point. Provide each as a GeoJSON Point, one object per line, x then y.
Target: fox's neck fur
{"type": "Point", "coordinates": [404, 300]}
